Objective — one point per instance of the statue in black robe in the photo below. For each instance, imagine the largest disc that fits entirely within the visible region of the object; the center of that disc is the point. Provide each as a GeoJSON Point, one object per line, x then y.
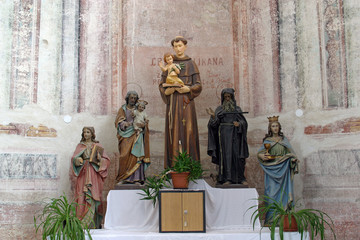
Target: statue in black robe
{"type": "Point", "coordinates": [227, 143]}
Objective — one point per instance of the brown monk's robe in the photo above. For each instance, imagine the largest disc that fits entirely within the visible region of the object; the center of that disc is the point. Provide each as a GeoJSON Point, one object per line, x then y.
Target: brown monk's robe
{"type": "Point", "coordinates": [181, 122]}
{"type": "Point", "coordinates": [128, 163]}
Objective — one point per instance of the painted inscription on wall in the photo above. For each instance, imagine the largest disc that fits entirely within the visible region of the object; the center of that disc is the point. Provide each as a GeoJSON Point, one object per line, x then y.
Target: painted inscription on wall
{"type": "Point", "coordinates": [28, 166]}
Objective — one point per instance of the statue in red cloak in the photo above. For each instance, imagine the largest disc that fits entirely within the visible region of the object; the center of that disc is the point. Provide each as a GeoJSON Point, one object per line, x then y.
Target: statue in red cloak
{"type": "Point", "coordinates": [89, 164]}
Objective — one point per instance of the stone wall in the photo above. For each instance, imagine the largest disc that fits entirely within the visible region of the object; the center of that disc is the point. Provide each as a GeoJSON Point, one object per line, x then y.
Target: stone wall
{"type": "Point", "coordinates": [77, 59]}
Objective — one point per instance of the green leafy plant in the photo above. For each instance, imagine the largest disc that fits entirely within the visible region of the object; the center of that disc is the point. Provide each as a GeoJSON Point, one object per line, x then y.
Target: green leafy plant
{"type": "Point", "coordinates": [311, 220]}
{"type": "Point", "coordinates": [182, 163]}
{"type": "Point", "coordinates": [154, 184]}
{"type": "Point", "coordinates": [58, 221]}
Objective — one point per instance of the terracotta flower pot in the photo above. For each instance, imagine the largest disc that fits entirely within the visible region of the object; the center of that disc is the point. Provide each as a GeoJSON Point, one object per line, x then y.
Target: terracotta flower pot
{"type": "Point", "coordinates": [180, 180]}
{"type": "Point", "coordinates": [290, 228]}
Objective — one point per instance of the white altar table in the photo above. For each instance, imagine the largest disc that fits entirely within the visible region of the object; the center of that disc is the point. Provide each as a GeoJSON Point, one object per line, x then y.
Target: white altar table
{"type": "Point", "coordinates": [225, 209]}
{"type": "Point", "coordinates": [129, 218]}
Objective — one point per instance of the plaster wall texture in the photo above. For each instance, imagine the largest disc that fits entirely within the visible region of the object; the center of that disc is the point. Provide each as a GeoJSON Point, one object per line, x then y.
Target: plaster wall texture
{"type": "Point", "coordinates": [70, 56]}
{"type": "Point", "coordinates": [79, 58]}
{"type": "Point", "coordinates": [351, 31]}
{"type": "Point", "coordinates": [5, 57]}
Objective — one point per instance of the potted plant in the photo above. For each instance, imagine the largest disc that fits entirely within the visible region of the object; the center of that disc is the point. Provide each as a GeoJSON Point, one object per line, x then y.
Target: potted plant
{"type": "Point", "coordinates": [183, 163]}
{"type": "Point", "coordinates": [302, 220]}
{"type": "Point", "coordinates": [185, 167]}
{"type": "Point", "coordinates": [58, 221]}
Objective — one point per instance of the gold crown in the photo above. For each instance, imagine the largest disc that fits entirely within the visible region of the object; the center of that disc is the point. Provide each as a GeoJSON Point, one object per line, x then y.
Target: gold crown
{"type": "Point", "coordinates": [273, 119]}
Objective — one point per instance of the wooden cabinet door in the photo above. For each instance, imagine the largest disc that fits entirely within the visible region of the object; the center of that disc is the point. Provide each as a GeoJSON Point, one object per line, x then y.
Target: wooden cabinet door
{"type": "Point", "coordinates": [182, 211]}
{"type": "Point", "coordinates": [171, 212]}
{"type": "Point", "coordinates": [193, 211]}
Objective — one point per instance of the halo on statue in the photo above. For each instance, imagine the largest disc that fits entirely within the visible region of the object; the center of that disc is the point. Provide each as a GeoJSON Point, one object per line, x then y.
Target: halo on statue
{"type": "Point", "coordinates": [134, 87]}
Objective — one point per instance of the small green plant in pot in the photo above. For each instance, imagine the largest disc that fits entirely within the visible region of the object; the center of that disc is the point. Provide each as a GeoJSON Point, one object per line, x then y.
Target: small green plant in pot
{"type": "Point", "coordinates": [185, 164]}
{"type": "Point", "coordinates": [311, 220]}
{"type": "Point", "coordinates": [182, 163]}
{"type": "Point", "coordinates": [58, 221]}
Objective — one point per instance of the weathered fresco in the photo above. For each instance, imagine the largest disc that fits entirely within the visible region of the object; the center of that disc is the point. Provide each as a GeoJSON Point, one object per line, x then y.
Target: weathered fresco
{"type": "Point", "coordinates": [68, 64]}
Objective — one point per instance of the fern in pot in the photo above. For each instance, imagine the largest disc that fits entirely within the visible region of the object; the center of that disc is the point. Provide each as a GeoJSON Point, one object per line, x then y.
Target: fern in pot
{"type": "Point", "coordinates": [58, 221]}
{"type": "Point", "coordinates": [288, 219]}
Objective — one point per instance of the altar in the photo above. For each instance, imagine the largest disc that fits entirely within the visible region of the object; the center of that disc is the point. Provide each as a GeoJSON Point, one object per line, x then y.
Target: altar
{"type": "Point", "coordinates": [225, 209]}
{"type": "Point", "coordinates": [127, 217]}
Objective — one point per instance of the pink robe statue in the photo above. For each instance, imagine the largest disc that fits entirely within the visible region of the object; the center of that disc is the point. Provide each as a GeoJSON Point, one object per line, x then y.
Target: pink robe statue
{"type": "Point", "coordinates": [89, 164]}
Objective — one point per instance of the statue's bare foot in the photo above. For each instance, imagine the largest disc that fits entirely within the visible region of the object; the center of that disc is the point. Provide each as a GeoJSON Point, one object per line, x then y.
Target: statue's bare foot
{"type": "Point", "coordinates": [245, 183]}
{"type": "Point", "coordinates": [227, 183]}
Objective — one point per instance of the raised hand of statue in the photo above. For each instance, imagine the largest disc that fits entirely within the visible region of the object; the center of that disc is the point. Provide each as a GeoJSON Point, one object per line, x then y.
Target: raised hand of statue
{"type": "Point", "coordinates": [210, 112]}
{"type": "Point", "coordinates": [161, 65]}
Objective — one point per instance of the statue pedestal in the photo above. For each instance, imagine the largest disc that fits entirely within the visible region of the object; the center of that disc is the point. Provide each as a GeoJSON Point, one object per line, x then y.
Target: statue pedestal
{"type": "Point", "coordinates": [128, 187]}
{"type": "Point", "coordinates": [231, 186]}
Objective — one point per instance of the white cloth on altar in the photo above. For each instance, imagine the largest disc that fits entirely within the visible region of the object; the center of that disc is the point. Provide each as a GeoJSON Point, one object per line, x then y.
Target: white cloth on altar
{"type": "Point", "coordinates": [225, 209]}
